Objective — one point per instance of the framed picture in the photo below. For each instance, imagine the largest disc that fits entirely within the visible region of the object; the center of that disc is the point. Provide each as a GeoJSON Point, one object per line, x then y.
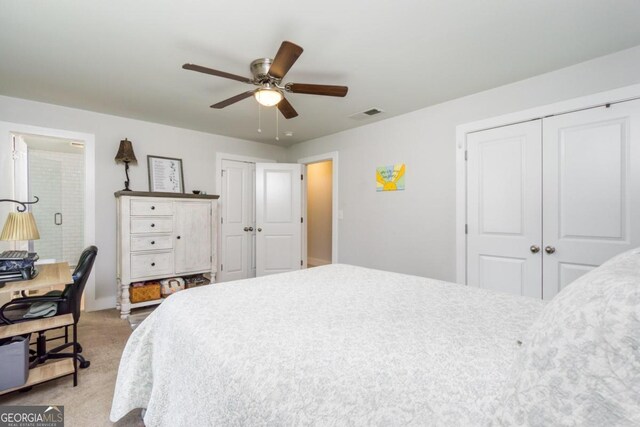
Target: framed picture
{"type": "Point", "coordinates": [165, 174]}
{"type": "Point", "coordinates": [390, 178]}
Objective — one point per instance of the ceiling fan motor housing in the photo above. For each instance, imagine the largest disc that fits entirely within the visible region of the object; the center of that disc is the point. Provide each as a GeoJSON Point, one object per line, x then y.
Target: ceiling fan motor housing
{"type": "Point", "coordinates": [260, 70]}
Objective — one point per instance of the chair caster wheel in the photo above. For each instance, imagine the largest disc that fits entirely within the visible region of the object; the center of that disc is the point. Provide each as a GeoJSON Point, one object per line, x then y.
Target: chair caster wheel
{"type": "Point", "coordinates": [85, 364]}
{"type": "Point", "coordinates": [79, 348]}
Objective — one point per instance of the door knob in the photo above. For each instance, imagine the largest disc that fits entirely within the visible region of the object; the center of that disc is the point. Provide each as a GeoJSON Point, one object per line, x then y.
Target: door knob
{"type": "Point", "coordinates": [534, 249]}
{"type": "Point", "coordinates": [250, 228]}
{"type": "Point", "coordinates": [246, 229]}
{"type": "Point", "coordinates": [259, 229]}
{"type": "Point", "coordinates": [549, 249]}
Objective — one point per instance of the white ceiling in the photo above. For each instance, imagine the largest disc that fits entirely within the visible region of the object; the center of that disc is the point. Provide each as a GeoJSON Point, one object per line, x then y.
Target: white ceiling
{"type": "Point", "coordinates": [124, 57]}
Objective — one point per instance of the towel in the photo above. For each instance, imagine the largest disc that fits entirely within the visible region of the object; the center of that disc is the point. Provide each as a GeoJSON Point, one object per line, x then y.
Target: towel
{"type": "Point", "coordinates": [41, 309]}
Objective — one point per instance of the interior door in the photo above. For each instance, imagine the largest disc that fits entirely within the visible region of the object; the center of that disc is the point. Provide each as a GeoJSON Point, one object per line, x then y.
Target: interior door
{"type": "Point", "coordinates": [504, 227]}
{"type": "Point", "coordinates": [193, 236]}
{"type": "Point", "coordinates": [591, 190]}
{"type": "Point", "coordinates": [237, 228]}
{"type": "Point", "coordinates": [251, 206]}
{"type": "Point", "coordinates": [278, 217]}
{"type": "Point", "coordinates": [48, 212]}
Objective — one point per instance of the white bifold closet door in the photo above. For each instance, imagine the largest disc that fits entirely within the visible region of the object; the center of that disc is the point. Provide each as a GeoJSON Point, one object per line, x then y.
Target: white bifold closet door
{"type": "Point", "coordinates": [549, 200]}
{"type": "Point", "coordinates": [278, 218]}
{"type": "Point", "coordinates": [504, 219]}
{"type": "Point", "coordinates": [591, 197]}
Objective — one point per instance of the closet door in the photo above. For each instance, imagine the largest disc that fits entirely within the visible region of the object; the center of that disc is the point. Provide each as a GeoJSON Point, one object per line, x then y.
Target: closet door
{"type": "Point", "coordinates": [503, 209]}
{"type": "Point", "coordinates": [237, 231]}
{"type": "Point", "coordinates": [591, 190]}
{"type": "Point", "coordinates": [278, 218]}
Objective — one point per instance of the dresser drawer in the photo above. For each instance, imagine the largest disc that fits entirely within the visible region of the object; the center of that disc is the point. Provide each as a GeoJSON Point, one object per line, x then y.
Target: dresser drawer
{"type": "Point", "coordinates": [149, 243]}
{"type": "Point", "coordinates": [151, 264]}
{"type": "Point", "coordinates": [151, 225]}
{"type": "Point", "coordinates": [151, 207]}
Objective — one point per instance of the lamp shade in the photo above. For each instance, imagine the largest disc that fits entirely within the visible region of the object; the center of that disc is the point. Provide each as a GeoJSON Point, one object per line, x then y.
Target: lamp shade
{"type": "Point", "coordinates": [125, 152]}
{"type": "Point", "coordinates": [20, 226]}
{"type": "Point", "coordinates": [268, 97]}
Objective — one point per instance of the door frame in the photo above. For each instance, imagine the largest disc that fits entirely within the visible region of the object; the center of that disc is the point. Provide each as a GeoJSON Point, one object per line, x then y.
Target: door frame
{"type": "Point", "coordinates": [92, 303]}
{"type": "Point", "coordinates": [218, 180]}
{"type": "Point", "coordinates": [333, 156]}
{"type": "Point", "coordinates": [599, 99]}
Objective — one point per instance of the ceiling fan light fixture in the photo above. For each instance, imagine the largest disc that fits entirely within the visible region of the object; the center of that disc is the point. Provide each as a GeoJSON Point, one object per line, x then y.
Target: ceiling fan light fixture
{"type": "Point", "coordinates": [268, 97]}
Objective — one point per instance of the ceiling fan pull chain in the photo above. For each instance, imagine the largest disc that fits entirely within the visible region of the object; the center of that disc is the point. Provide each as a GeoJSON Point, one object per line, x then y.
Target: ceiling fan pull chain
{"type": "Point", "coordinates": [277, 127]}
{"type": "Point", "coordinates": [259, 118]}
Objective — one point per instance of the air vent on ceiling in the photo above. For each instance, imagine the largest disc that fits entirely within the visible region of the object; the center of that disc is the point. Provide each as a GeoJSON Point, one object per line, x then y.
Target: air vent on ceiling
{"type": "Point", "coordinates": [366, 114]}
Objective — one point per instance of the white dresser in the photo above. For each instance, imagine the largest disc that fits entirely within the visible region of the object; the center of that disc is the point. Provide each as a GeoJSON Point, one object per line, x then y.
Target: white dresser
{"type": "Point", "coordinates": [163, 235]}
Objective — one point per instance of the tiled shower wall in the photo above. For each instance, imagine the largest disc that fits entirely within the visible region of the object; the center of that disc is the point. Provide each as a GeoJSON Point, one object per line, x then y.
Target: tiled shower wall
{"type": "Point", "coordinates": [58, 180]}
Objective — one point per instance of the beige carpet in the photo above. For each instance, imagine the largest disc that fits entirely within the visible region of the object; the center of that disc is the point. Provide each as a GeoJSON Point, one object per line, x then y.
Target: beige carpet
{"type": "Point", "coordinates": [103, 336]}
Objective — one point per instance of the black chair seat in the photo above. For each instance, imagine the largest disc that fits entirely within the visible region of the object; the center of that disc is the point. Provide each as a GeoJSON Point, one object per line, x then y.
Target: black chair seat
{"type": "Point", "coordinates": [16, 313]}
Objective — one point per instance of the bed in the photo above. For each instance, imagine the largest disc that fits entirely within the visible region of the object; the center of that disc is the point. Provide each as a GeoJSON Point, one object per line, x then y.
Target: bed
{"type": "Point", "coordinates": [345, 345]}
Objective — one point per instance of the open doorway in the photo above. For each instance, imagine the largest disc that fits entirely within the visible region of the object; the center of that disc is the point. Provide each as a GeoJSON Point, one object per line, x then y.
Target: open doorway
{"type": "Point", "coordinates": [319, 213]}
{"type": "Point", "coordinates": [52, 169]}
{"type": "Point", "coordinates": [14, 167]}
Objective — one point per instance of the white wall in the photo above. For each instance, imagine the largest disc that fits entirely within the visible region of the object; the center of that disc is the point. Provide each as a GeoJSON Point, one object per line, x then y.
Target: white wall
{"type": "Point", "coordinates": [196, 149]}
{"type": "Point", "coordinates": [413, 231]}
{"type": "Point", "coordinates": [319, 211]}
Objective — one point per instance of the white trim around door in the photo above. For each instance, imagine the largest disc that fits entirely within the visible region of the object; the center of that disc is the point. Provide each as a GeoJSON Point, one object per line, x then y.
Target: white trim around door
{"type": "Point", "coordinates": [333, 156]}
{"type": "Point", "coordinates": [92, 302]}
{"type": "Point", "coordinates": [563, 107]}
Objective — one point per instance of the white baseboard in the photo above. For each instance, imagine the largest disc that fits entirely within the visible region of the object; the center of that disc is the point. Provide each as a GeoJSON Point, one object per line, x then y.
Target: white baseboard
{"type": "Point", "coordinates": [316, 262]}
{"type": "Point", "coordinates": [102, 304]}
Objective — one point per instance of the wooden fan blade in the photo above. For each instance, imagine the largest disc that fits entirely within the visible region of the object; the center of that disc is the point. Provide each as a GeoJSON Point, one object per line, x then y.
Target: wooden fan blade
{"type": "Point", "coordinates": [201, 69]}
{"type": "Point", "coordinates": [287, 109]}
{"type": "Point", "coordinates": [287, 55]}
{"type": "Point", "coordinates": [309, 89]}
{"type": "Point", "coordinates": [233, 99]}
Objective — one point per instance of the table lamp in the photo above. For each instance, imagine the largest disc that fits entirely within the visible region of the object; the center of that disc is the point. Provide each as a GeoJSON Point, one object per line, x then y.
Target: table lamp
{"type": "Point", "coordinates": [20, 226]}
{"type": "Point", "coordinates": [125, 155]}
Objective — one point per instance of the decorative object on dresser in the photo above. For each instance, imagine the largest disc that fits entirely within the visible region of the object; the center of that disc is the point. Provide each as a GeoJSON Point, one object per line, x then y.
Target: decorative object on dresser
{"type": "Point", "coordinates": [165, 174]}
{"type": "Point", "coordinates": [126, 155]}
{"type": "Point", "coordinates": [161, 236]}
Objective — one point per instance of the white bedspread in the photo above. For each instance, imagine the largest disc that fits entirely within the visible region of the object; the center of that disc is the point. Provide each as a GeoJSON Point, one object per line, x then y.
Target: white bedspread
{"type": "Point", "coordinates": [334, 345]}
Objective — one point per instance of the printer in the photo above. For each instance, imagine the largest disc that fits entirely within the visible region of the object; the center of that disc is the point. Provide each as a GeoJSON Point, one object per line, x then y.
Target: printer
{"type": "Point", "coordinates": [17, 268]}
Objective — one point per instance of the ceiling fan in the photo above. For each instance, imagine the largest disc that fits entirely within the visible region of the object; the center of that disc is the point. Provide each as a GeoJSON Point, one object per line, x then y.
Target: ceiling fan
{"type": "Point", "coordinates": [267, 75]}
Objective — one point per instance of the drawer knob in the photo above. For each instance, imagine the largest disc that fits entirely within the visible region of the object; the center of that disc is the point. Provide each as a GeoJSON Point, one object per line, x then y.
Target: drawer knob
{"type": "Point", "coordinates": [153, 264]}
{"type": "Point", "coordinates": [153, 208]}
{"type": "Point", "coordinates": [153, 242]}
{"type": "Point", "coordinates": [178, 237]}
{"type": "Point", "coordinates": [153, 225]}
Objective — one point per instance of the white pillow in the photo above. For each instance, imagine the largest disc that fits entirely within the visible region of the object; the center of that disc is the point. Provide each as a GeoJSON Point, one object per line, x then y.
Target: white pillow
{"type": "Point", "coordinates": [580, 362]}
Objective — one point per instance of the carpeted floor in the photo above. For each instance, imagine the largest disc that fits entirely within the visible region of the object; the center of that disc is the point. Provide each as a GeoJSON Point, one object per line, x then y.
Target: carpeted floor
{"type": "Point", "coordinates": [103, 336]}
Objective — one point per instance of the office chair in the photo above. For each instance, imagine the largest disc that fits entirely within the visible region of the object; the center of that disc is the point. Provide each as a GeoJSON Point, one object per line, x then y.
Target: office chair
{"type": "Point", "coordinates": [68, 301]}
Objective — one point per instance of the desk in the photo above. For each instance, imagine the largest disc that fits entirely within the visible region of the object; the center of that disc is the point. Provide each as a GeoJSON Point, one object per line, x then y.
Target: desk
{"type": "Point", "coordinates": [48, 275]}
